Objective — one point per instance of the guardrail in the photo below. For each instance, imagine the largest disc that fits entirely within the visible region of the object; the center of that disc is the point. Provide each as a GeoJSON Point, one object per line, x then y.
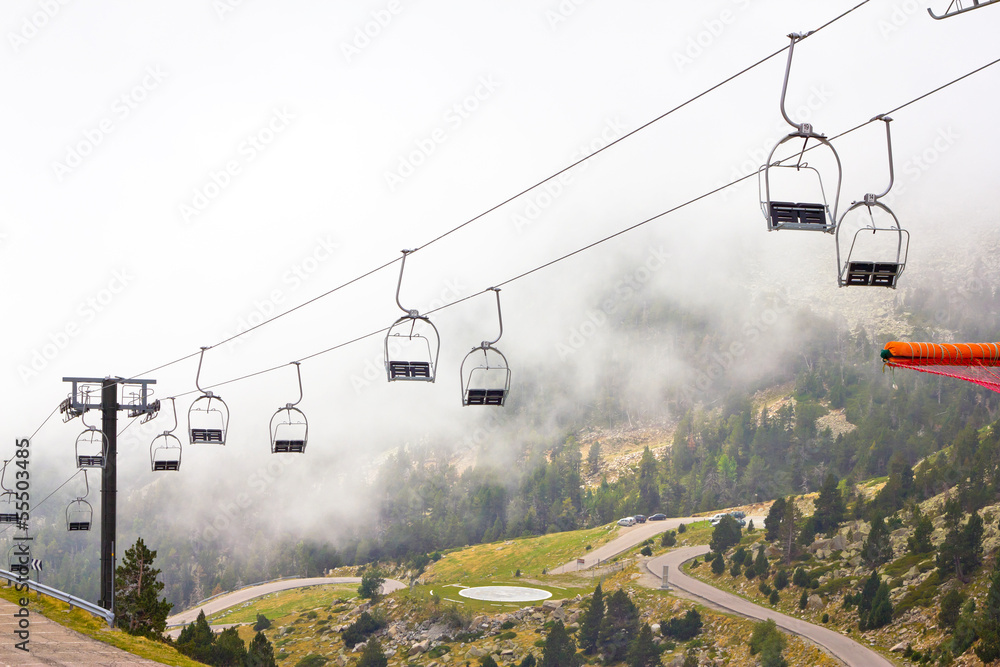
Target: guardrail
{"type": "Point", "coordinates": [72, 600]}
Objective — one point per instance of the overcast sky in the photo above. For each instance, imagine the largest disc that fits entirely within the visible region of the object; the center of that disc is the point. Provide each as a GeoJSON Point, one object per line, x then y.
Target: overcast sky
{"type": "Point", "coordinates": [171, 172]}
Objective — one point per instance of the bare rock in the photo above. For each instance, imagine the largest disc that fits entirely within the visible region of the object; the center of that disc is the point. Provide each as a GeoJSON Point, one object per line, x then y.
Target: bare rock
{"type": "Point", "coordinates": [814, 602]}
{"type": "Point", "coordinates": [900, 647]}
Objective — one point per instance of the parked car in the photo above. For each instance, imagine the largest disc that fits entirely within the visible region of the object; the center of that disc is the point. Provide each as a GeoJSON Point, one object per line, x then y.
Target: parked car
{"type": "Point", "coordinates": [626, 521]}
{"type": "Point", "coordinates": [717, 518]}
{"type": "Point", "coordinates": [640, 518]}
{"type": "Point", "coordinates": [658, 517]}
{"type": "Point", "coordinates": [739, 514]}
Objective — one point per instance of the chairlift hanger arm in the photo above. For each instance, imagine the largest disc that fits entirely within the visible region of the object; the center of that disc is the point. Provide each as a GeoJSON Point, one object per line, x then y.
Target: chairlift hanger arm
{"type": "Point", "coordinates": [399, 284]}
{"type": "Point", "coordinates": [801, 127]}
{"type": "Point", "coordinates": [173, 406]}
{"type": "Point", "coordinates": [197, 377]}
{"type": "Point", "coordinates": [871, 198]}
{"type": "Point", "coordinates": [298, 370]}
{"type": "Point", "coordinates": [499, 319]}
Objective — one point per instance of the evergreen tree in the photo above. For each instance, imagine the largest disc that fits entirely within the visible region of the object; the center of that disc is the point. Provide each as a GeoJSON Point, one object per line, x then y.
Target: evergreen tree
{"type": "Point", "coordinates": [682, 628]}
{"type": "Point", "coordinates": [773, 519]}
{"type": "Point", "coordinates": [559, 649]}
{"type": "Point", "coordinates": [263, 623]}
{"type": "Point", "coordinates": [619, 627]}
{"type": "Point", "coordinates": [649, 482]}
{"type": "Point", "coordinates": [372, 655]}
{"type": "Point", "coordinates": [830, 506]}
{"type": "Point", "coordinates": [788, 531]}
{"type": "Point", "coordinates": [260, 653]}
{"type": "Point", "coordinates": [643, 652]}
{"type": "Point", "coordinates": [138, 610]}
{"type": "Point", "coordinates": [760, 564]}
{"type": "Point", "coordinates": [594, 457]}
{"type": "Point", "coordinates": [371, 584]}
{"type": "Point", "coordinates": [920, 541]}
{"type": "Point", "coordinates": [781, 579]}
{"type": "Point", "coordinates": [962, 550]}
{"type": "Point", "coordinates": [988, 625]}
{"type": "Point", "coordinates": [487, 661]}
{"type": "Point", "coordinates": [590, 623]}
{"type": "Point", "coordinates": [877, 547]}
{"type": "Point", "coordinates": [727, 534]}
{"type": "Point", "coordinates": [951, 607]}
{"type": "Point", "coordinates": [528, 661]}
{"type": "Point", "coordinates": [229, 649]}
{"type": "Point", "coordinates": [195, 640]}
{"type": "Point", "coordinates": [965, 633]}
{"type": "Point", "coordinates": [718, 564]}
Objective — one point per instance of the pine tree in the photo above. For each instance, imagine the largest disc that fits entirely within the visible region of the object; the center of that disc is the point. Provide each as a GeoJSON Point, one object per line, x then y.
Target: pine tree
{"type": "Point", "coordinates": [727, 534]}
{"type": "Point", "coordinates": [229, 649]}
{"type": "Point", "coordinates": [372, 655]}
{"type": "Point", "coordinates": [718, 564]}
{"type": "Point", "coordinates": [830, 506]}
{"type": "Point", "coordinates": [559, 650]}
{"type": "Point", "coordinates": [773, 519]}
{"type": "Point", "coordinates": [643, 652]}
{"type": "Point", "coordinates": [988, 648]}
{"type": "Point", "coordinates": [760, 564]}
{"type": "Point", "coordinates": [920, 541]}
{"type": "Point", "coordinates": [371, 584]}
{"type": "Point", "coordinates": [962, 549]}
{"type": "Point", "coordinates": [620, 625]}
{"type": "Point", "coordinates": [788, 530]}
{"type": "Point", "coordinates": [877, 548]}
{"type": "Point", "coordinates": [260, 653]}
{"type": "Point", "coordinates": [138, 610]}
{"type": "Point", "coordinates": [195, 640]}
{"type": "Point", "coordinates": [590, 623]}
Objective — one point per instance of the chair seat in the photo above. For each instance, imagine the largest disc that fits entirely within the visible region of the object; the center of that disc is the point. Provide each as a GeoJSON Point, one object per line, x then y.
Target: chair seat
{"type": "Point", "coordinates": [8, 518]}
{"type": "Point", "coordinates": [79, 525]}
{"type": "Point", "coordinates": [207, 435]}
{"type": "Point", "coordinates": [85, 461]}
{"type": "Point", "coordinates": [409, 370]}
{"type": "Point", "coordinates": [485, 396]}
{"type": "Point", "coordinates": [289, 446]}
{"type": "Point", "coordinates": [798, 215]}
{"type": "Point", "coordinates": [166, 464]}
{"type": "Point", "coordinates": [872, 274]}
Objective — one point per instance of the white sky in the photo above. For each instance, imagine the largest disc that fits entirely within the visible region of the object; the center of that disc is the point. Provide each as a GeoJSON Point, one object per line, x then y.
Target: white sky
{"type": "Point", "coordinates": [118, 114]}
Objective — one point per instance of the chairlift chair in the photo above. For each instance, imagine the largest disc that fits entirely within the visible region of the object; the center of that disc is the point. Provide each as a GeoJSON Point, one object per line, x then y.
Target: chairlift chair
{"type": "Point", "coordinates": [289, 426]}
{"type": "Point", "coordinates": [79, 513]}
{"type": "Point", "coordinates": [8, 508]}
{"type": "Point", "coordinates": [165, 450]}
{"type": "Point", "coordinates": [956, 7]}
{"type": "Point", "coordinates": [808, 215]}
{"type": "Point", "coordinates": [91, 447]}
{"type": "Point", "coordinates": [208, 416]}
{"type": "Point", "coordinates": [414, 342]}
{"type": "Point", "coordinates": [14, 560]}
{"type": "Point", "coordinates": [488, 379]}
{"type": "Point", "coordinates": [871, 261]}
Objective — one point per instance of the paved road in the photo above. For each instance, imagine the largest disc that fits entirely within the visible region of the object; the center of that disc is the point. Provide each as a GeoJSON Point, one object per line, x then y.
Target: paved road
{"type": "Point", "coordinates": [53, 644]}
{"type": "Point", "coordinates": [632, 536]}
{"type": "Point", "coordinates": [841, 647]}
{"type": "Point", "coordinates": [238, 597]}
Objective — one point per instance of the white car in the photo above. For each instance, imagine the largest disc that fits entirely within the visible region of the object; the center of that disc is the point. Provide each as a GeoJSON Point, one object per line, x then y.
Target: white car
{"type": "Point", "coordinates": [717, 518]}
{"type": "Point", "coordinates": [627, 521]}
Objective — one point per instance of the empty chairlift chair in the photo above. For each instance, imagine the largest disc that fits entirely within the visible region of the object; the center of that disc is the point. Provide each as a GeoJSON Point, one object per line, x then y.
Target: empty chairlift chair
{"type": "Point", "coordinates": [878, 247]}
{"type": "Point", "coordinates": [91, 446]}
{"type": "Point", "coordinates": [8, 509]}
{"type": "Point", "coordinates": [289, 426]}
{"type": "Point", "coordinates": [208, 416]}
{"type": "Point", "coordinates": [79, 513]}
{"type": "Point", "coordinates": [485, 374]}
{"type": "Point", "coordinates": [412, 344]}
{"type": "Point", "coordinates": [815, 214]}
{"type": "Point", "coordinates": [165, 450]}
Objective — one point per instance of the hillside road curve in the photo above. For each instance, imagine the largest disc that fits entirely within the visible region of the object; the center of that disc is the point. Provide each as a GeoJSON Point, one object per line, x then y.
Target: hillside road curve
{"type": "Point", "coordinates": [238, 597]}
{"type": "Point", "coordinates": [843, 648]}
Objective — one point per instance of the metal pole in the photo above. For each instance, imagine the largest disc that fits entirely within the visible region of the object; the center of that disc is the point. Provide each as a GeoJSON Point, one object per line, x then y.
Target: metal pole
{"type": "Point", "coordinates": [666, 573]}
{"type": "Point", "coordinates": [109, 492]}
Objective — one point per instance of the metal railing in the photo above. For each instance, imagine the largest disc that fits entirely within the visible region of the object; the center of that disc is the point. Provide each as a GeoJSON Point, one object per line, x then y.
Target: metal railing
{"type": "Point", "coordinates": [71, 600]}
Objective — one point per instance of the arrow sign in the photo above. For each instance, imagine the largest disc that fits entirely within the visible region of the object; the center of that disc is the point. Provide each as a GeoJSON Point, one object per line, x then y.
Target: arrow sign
{"type": "Point", "coordinates": [36, 564]}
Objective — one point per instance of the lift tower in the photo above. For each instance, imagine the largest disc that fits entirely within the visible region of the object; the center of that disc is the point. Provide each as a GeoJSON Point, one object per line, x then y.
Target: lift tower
{"type": "Point", "coordinates": [109, 395]}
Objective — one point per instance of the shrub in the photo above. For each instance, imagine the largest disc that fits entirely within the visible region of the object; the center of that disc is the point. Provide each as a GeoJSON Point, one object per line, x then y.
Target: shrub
{"type": "Point", "coordinates": [681, 528]}
{"type": "Point", "coordinates": [646, 551]}
{"type": "Point", "coordinates": [803, 600]}
{"type": "Point", "coordinates": [826, 618]}
{"type": "Point", "coordinates": [668, 539]}
{"type": "Point", "coordinates": [773, 598]}
{"type": "Point", "coordinates": [682, 628]}
{"type": "Point", "coordinates": [764, 588]}
{"type": "Point", "coordinates": [734, 571]}
{"type": "Point", "coordinates": [360, 629]}
{"type": "Point", "coordinates": [800, 578]}
{"type": "Point", "coordinates": [781, 579]}
{"type": "Point", "coordinates": [718, 564]}
{"type": "Point", "coordinates": [263, 623]}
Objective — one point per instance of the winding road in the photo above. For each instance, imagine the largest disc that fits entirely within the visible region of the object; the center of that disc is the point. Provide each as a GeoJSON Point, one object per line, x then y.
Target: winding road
{"type": "Point", "coordinates": [843, 648]}
{"type": "Point", "coordinates": [238, 597]}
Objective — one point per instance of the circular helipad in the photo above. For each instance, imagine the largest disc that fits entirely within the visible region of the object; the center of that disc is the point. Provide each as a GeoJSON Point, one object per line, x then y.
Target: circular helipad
{"type": "Point", "coordinates": [504, 593]}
